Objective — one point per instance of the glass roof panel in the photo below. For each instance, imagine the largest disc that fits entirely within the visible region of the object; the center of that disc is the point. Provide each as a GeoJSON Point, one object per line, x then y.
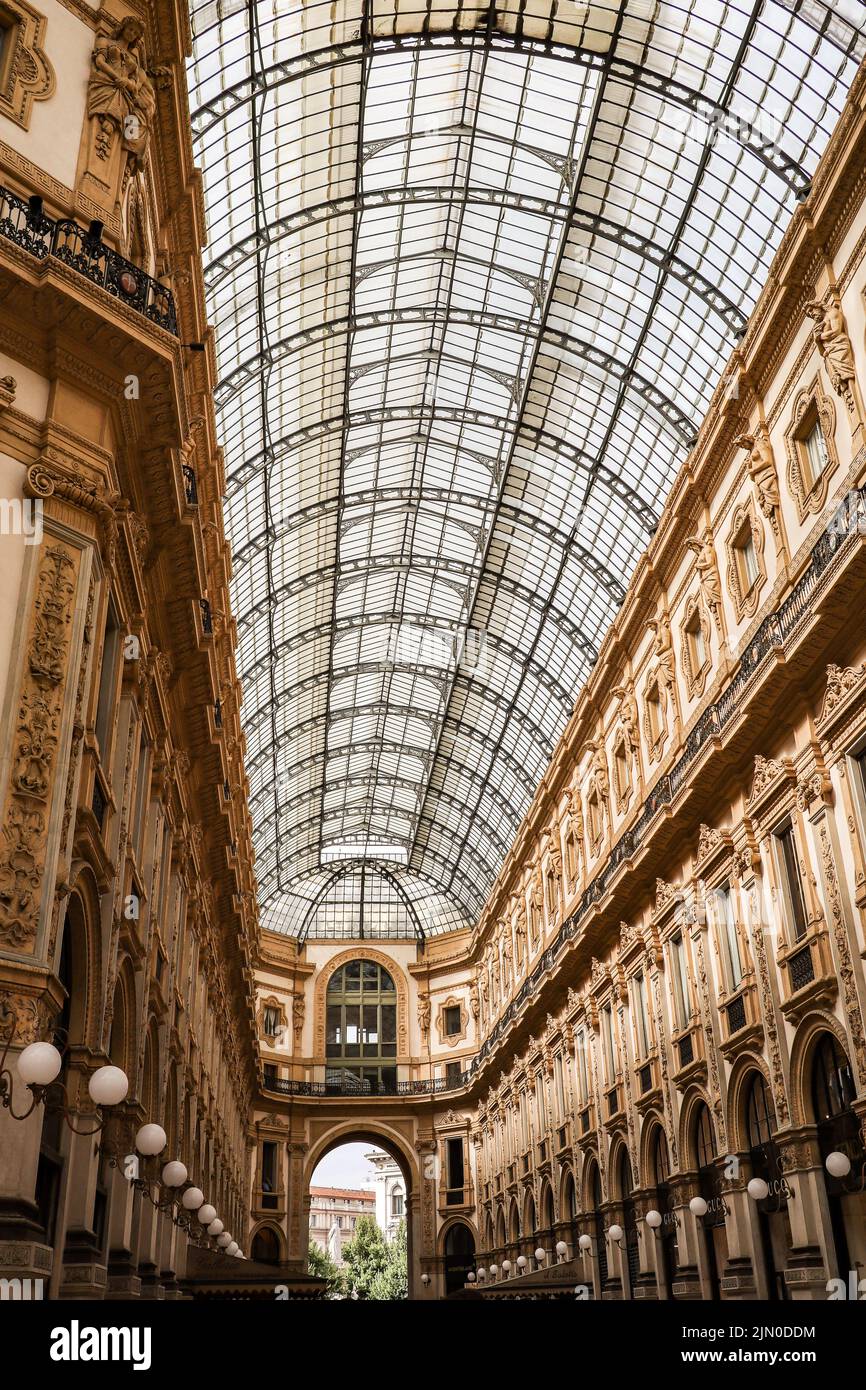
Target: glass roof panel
{"type": "Point", "coordinates": [474, 276]}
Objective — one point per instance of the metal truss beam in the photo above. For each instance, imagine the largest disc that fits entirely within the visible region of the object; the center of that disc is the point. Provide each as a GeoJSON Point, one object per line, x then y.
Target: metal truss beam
{"type": "Point", "coordinates": [617, 69]}
{"type": "Point", "coordinates": [660, 257]}
{"type": "Point", "coordinates": [350, 325]}
{"type": "Point", "coordinates": [379, 564]}
{"type": "Point", "coordinates": [543, 441]}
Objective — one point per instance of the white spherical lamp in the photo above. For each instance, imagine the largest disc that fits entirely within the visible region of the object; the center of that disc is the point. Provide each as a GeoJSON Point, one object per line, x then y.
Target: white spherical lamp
{"type": "Point", "coordinates": [39, 1064]}
{"type": "Point", "coordinates": [108, 1085]}
{"type": "Point", "coordinates": [174, 1174]}
{"type": "Point", "coordinates": [615, 1232]}
{"type": "Point", "coordinates": [521, 1263]}
{"type": "Point", "coordinates": [470, 1278]}
{"type": "Point", "coordinates": [838, 1165]}
{"type": "Point", "coordinates": [482, 1275]}
{"type": "Point", "coordinates": [540, 1255]}
{"type": "Point", "coordinates": [653, 1219]}
{"type": "Point", "coordinates": [561, 1249]}
{"type": "Point", "coordinates": [757, 1189]}
{"type": "Point", "coordinates": [225, 1240]}
{"type": "Point", "coordinates": [151, 1139]}
{"type": "Point", "coordinates": [698, 1206]}
{"type": "Point", "coordinates": [239, 1255]}
{"type": "Point", "coordinates": [206, 1214]}
{"type": "Point", "coordinates": [192, 1199]}
{"type": "Point", "coordinates": [216, 1227]}
{"type": "Point", "coordinates": [232, 1249]}
{"type": "Point", "coordinates": [585, 1242]}
{"type": "Point", "coordinates": [494, 1270]}
{"type": "Point", "coordinates": [506, 1267]}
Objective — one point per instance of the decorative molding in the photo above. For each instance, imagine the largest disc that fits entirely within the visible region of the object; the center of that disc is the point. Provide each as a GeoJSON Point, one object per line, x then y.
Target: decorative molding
{"type": "Point", "coordinates": [27, 74]}
{"type": "Point", "coordinates": [745, 597]}
{"type": "Point", "coordinates": [810, 497]}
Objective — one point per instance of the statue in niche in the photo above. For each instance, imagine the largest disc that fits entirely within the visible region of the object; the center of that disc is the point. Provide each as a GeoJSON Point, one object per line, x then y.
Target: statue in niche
{"type": "Point", "coordinates": [628, 715]}
{"type": "Point", "coordinates": [663, 648]}
{"type": "Point", "coordinates": [424, 1014]}
{"type": "Point", "coordinates": [762, 471]}
{"type": "Point", "coordinates": [708, 576]}
{"type": "Point", "coordinates": [520, 935]}
{"type": "Point", "coordinates": [121, 101]}
{"type": "Point", "coordinates": [831, 339]}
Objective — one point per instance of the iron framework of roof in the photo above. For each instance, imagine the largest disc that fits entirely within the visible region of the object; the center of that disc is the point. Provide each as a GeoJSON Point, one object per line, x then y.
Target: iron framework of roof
{"type": "Point", "coordinates": [474, 275]}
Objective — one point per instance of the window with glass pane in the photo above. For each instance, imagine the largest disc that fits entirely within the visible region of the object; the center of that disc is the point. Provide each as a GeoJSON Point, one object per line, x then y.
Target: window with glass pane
{"type": "Point", "coordinates": [640, 1014]}
{"type": "Point", "coordinates": [609, 1055]}
{"type": "Point", "coordinates": [730, 939]}
{"type": "Point", "coordinates": [452, 1020]}
{"type": "Point", "coordinates": [815, 449]}
{"type": "Point", "coordinates": [680, 981]}
{"type": "Point", "coordinates": [792, 882]}
{"type": "Point", "coordinates": [361, 1024]}
{"type": "Point", "coordinates": [759, 1113]}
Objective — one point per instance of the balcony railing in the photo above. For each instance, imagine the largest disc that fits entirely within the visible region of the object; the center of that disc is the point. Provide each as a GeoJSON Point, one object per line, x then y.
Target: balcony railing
{"type": "Point", "coordinates": [282, 1086]}
{"type": "Point", "coordinates": [27, 226]}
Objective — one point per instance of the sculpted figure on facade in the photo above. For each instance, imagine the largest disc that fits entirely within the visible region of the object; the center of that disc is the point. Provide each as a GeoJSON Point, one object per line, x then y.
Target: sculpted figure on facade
{"type": "Point", "coordinates": [424, 1014]}
{"type": "Point", "coordinates": [663, 648]}
{"type": "Point", "coordinates": [121, 103]}
{"type": "Point", "coordinates": [831, 339]}
{"type": "Point", "coordinates": [708, 574]}
{"type": "Point", "coordinates": [762, 471]}
{"type": "Point", "coordinates": [519, 933]}
{"type": "Point", "coordinates": [628, 715]}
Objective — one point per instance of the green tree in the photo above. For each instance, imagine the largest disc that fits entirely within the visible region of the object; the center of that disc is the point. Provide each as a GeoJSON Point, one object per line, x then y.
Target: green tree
{"type": "Point", "coordinates": [393, 1281]}
{"type": "Point", "coordinates": [364, 1258]}
{"type": "Point", "coordinates": [321, 1264]}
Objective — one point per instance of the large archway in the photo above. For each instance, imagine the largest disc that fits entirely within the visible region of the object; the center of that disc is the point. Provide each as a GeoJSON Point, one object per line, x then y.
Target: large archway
{"type": "Point", "coordinates": [381, 1137]}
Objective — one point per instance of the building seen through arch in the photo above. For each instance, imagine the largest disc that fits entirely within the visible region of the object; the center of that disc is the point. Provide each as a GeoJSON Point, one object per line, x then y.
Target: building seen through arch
{"type": "Point", "coordinates": [432, 682]}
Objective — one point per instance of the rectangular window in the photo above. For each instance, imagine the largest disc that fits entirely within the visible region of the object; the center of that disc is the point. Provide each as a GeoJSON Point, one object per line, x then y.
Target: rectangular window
{"type": "Point", "coordinates": [679, 970]}
{"type": "Point", "coordinates": [817, 458]}
{"type": "Point", "coordinates": [793, 884]}
{"type": "Point", "coordinates": [454, 1157]}
{"type": "Point", "coordinates": [107, 682]}
{"type": "Point", "coordinates": [559, 1084]}
{"type": "Point", "coordinates": [607, 1038]}
{"type": "Point", "coordinates": [730, 941]}
{"type": "Point", "coordinates": [451, 1020]}
{"type": "Point", "coordinates": [452, 1071]}
{"type": "Point", "coordinates": [640, 1014]}
{"type": "Point", "coordinates": [269, 1167]}
{"type": "Point", "coordinates": [582, 1068]}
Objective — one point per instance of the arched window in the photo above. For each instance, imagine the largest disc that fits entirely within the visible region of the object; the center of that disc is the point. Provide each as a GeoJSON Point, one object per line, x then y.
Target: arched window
{"type": "Point", "coordinates": [266, 1247]}
{"type": "Point", "coordinates": [760, 1120]}
{"type": "Point", "coordinates": [705, 1143]}
{"type": "Point", "coordinates": [660, 1160]}
{"type": "Point", "coordinates": [361, 1038]}
{"type": "Point", "coordinates": [833, 1087]}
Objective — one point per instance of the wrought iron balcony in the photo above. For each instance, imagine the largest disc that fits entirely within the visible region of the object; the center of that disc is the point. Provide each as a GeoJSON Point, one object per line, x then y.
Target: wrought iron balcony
{"type": "Point", "coordinates": [281, 1086]}
{"type": "Point", "coordinates": [27, 226]}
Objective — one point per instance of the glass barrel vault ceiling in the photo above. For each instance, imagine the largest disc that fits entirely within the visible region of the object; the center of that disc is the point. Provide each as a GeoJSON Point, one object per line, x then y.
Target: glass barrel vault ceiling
{"type": "Point", "coordinates": [473, 275]}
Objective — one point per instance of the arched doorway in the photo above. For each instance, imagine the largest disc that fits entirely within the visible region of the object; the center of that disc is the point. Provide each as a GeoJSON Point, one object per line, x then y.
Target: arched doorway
{"type": "Point", "coordinates": [394, 1188]}
{"type": "Point", "coordinates": [265, 1246]}
{"type": "Point", "coordinates": [459, 1256]}
{"type": "Point", "coordinates": [596, 1218]}
{"type": "Point", "coordinates": [774, 1227]}
{"type": "Point", "coordinates": [712, 1223]}
{"type": "Point", "coordinates": [660, 1170]}
{"type": "Point", "coordinates": [833, 1092]}
{"type": "Point", "coordinates": [629, 1220]}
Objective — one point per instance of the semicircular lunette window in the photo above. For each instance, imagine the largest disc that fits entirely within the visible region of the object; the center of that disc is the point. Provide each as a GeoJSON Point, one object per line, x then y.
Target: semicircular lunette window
{"type": "Point", "coordinates": [361, 1030]}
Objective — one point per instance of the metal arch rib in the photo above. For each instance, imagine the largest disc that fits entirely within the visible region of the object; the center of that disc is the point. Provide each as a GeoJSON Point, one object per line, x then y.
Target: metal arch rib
{"type": "Point", "coordinates": [250, 370]}
{"type": "Point", "coordinates": [637, 75]}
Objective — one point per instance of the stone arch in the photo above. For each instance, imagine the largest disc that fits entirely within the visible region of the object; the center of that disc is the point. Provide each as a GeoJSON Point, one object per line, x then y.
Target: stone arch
{"type": "Point", "coordinates": [529, 1223]}
{"type": "Point", "coordinates": [268, 1229]}
{"type": "Point", "coordinates": [652, 1122]}
{"type": "Point", "coordinates": [546, 1208]}
{"type": "Point", "coordinates": [82, 936]}
{"type": "Point", "coordinates": [122, 1048]}
{"type": "Point", "coordinates": [618, 1153]}
{"type": "Point", "coordinates": [513, 1227]}
{"type": "Point", "coordinates": [806, 1039]}
{"type": "Point", "coordinates": [590, 1168]}
{"type": "Point", "coordinates": [694, 1097]}
{"type": "Point", "coordinates": [501, 1231]}
{"type": "Point", "coordinates": [739, 1085]}
{"type": "Point", "coordinates": [568, 1205]}
{"type": "Point", "coordinates": [449, 1223]}
{"type": "Point", "coordinates": [361, 952]}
